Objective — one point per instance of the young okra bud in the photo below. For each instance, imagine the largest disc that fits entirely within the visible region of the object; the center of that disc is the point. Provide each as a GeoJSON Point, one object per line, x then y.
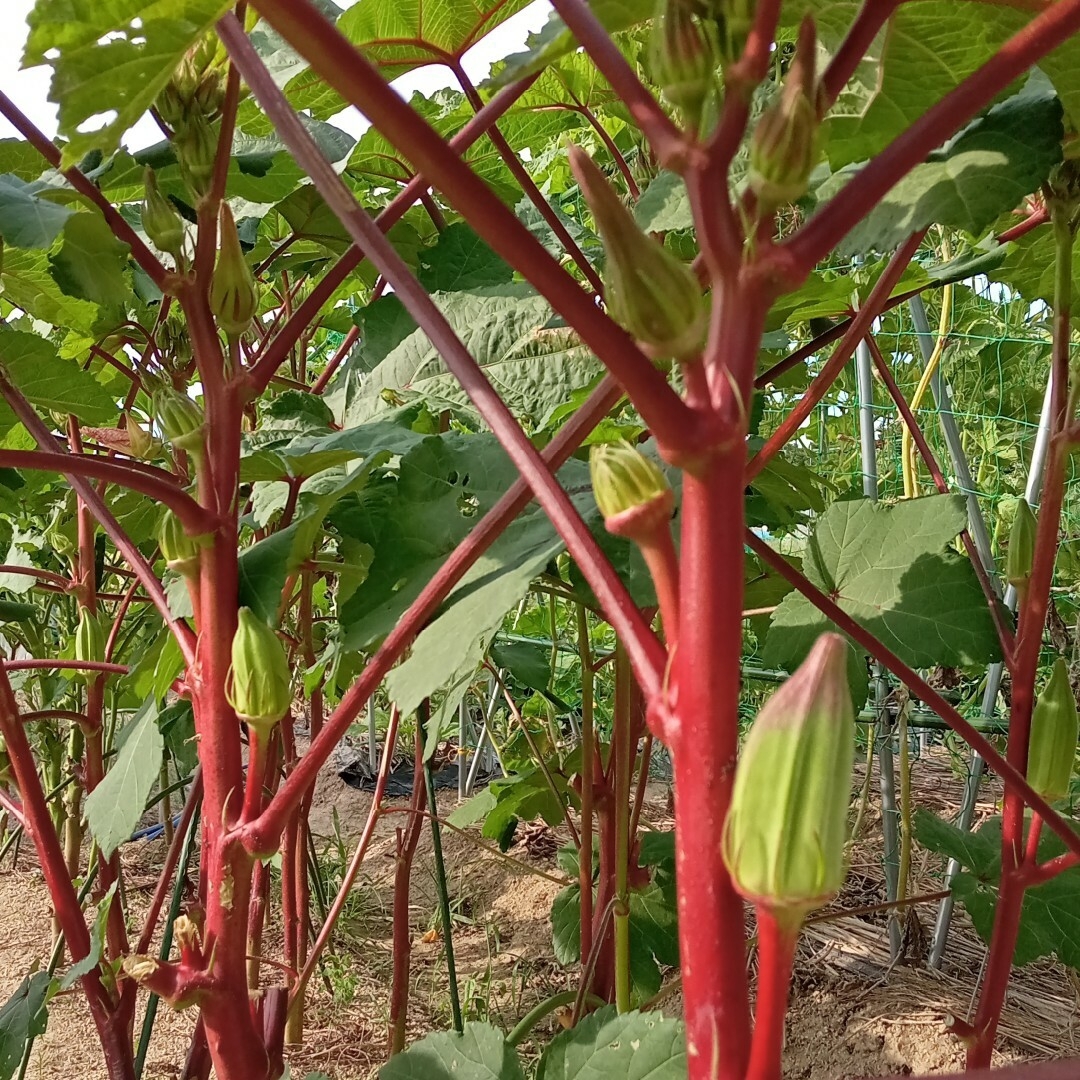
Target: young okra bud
{"type": "Point", "coordinates": [234, 297]}
{"type": "Point", "coordinates": [1021, 553]}
{"type": "Point", "coordinates": [139, 440]}
{"type": "Point", "coordinates": [196, 149]}
{"type": "Point", "coordinates": [684, 56]}
{"type": "Point", "coordinates": [631, 490]}
{"type": "Point", "coordinates": [647, 289]}
{"type": "Point", "coordinates": [784, 145]}
{"type": "Point", "coordinates": [160, 221]}
{"type": "Point", "coordinates": [89, 642]}
{"type": "Point", "coordinates": [181, 420]}
{"type": "Point", "coordinates": [258, 685]}
{"type": "Point", "coordinates": [1054, 729]}
{"type": "Point", "coordinates": [181, 552]}
{"type": "Point", "coordinates": [787, 827]}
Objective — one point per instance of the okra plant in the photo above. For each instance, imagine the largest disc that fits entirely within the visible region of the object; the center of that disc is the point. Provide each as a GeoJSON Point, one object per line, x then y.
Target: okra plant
{"type": "Point", "coordinates": [289, 419]}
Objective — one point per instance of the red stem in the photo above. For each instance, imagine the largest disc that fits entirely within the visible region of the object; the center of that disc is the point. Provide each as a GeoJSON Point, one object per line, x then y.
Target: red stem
{"type": "Point", "coordinates": [43, 575]}
{"type": "Point", "coordinates": [776, 954]}
{"type": "Point", "coordinates": [348, 71]}
{"type": "Point", "coordinates": [335, 361]}
{"type": "Point", "coordinates": [116, 1042]}
{"type": "Point", "coordinates": [856, 331]}
{"type": "Point", "coordinates": [602, 133]}
{"type": "Point", "coordinates": [1014, 780]}
{"type": "Point", "coordinates": [66, 665]}
{"type": "Point", "coordinates": [1038, 217]}
{"type": "Point", "coordinates": [813, 242]}
{"type": "Point", "coordinates": [157, 484]}
{"type": "Point", "coordinates": [703, 733]}
{"type": "Point", "coordinates": [873, 15]}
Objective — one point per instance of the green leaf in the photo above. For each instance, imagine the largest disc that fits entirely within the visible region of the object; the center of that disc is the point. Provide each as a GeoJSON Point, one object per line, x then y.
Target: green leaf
{"type": "Point", "coordinates": [508, 329]}
{"type": "Point", "coordinates": [23, 1017]}
{"type": "Point", "coordinates": [97, 942]}
{"type": "Point", "coordinates": [566, 925]}
{"type": "Point", "coordinates": [91, 262]}
{"type": "Point", "coordinates": [1050, 915]}
{"type": "Point", "coordinates": [638, 1046]}
{"type": "Point", "coordinates": [526, 796]}
{"type": "Point", "coordinates": [27, 218]}
{"type": "Point", "coordinates": [886, 567]}
{"type": "Point", "coordinates": [460, 260]}
{"type": "Point", "coordinates": [32, 364]}
{"type": "Point", "coordinates": [985, 171]}
{"type": "Point", "coordinates": [479, 1053]}
{"type": "Point", "coordinates": [114, 807]}
{"type": "Point", "coordinates": [28, 284]}
{"type": "Point", "coordinates": [109, 59]}
{"type": "Point", "coordinates": [664, 204]}
{"type": "Point", "coordinates": [529, 664]}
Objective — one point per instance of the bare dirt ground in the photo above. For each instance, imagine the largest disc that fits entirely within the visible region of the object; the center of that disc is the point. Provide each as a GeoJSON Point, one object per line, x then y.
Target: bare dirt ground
{"type": "Point", "coordinates": [854, 1013]}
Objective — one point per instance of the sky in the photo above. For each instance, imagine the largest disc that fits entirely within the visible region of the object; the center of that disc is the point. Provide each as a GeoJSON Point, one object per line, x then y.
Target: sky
{"type": "Point", "coordinates": [30, 89]}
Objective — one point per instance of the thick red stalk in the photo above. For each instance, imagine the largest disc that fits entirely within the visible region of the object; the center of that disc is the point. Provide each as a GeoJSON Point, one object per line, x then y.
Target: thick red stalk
{"type": "Point", "coordinates": [146, 259]}
{"type": "Point", "coordinates": [703, 733]}
{"type": "Point", "coordinates": [156, 484]}
{"type": "Point", "coordinates": [274, 355]}
{"type": "Point", "coordinates": [1012, 777]}
{"type": "Point", "coordinates": [261, 835]}
{"type": "Point", "coordinates": [856, 331]}
{"type": "Point", "coordinates": [776, 954]}
{"type": "Point", "coordinates": [813, 242]}
{"type": "Point", "coordinates": [349, 72]}
{"type": "Point", "coordinates": [645, 651]}
{"type": "Point", "coordinates": [42, 575]}
{"type": "Point", "coordinates": [528, 185]}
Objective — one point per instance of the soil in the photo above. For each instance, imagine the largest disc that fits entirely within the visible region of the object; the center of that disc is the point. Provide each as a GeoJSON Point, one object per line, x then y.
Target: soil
{"type": "Point", "coordinates": [854, 1012]}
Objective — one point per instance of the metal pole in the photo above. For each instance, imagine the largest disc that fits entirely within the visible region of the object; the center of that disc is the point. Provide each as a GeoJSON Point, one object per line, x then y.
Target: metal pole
{"type": "Point", "coordinates": [372, 738]}
{"type": "Point", "coordinates": [484, 736]}
{"type": "Point", "coordinates": [981, 539]}
{"type": "Point", "coordinates": [886, 770]}
{"type": "Point", "coordinates": [463, 743]}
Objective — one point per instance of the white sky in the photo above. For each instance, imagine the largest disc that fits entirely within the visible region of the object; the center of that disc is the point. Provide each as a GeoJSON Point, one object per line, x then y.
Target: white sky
{"type": "Point", "coordinates": [30, 89]}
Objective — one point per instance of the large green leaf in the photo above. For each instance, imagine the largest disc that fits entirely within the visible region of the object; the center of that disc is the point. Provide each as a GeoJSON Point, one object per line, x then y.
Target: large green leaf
{"type": "Point", "coordinates": [982, 173]}
{"type": "Point", "coordinates": [634, 1045]}
{"type": "Point", "coordinates": [91, 262]}
{"type": "Point", "coordinates": [114, 807]}
{"type": "Point", "coordinates": [444, 485]}
{"type": "Point", "coordinates": [50, 382]}
{"type": "Point", "coordinates": [479, 1053]}
{"type": "Point", "coordinates": [27, 283]}
{"type": "Point", "coordinates": [886, 567]}
{"type": "Point", "coordinates": [1050, 916]}
{"type": "Point", "coordinates": [27, 218]}
{"type": "Point", "coordinates": [23, 1016]}
{"type": "Point", "coordinates": [461, 261]}
{"type": "Point", "coordinates": [509, 330]}
{"type": "Point", "coordinates": [109, 59]}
